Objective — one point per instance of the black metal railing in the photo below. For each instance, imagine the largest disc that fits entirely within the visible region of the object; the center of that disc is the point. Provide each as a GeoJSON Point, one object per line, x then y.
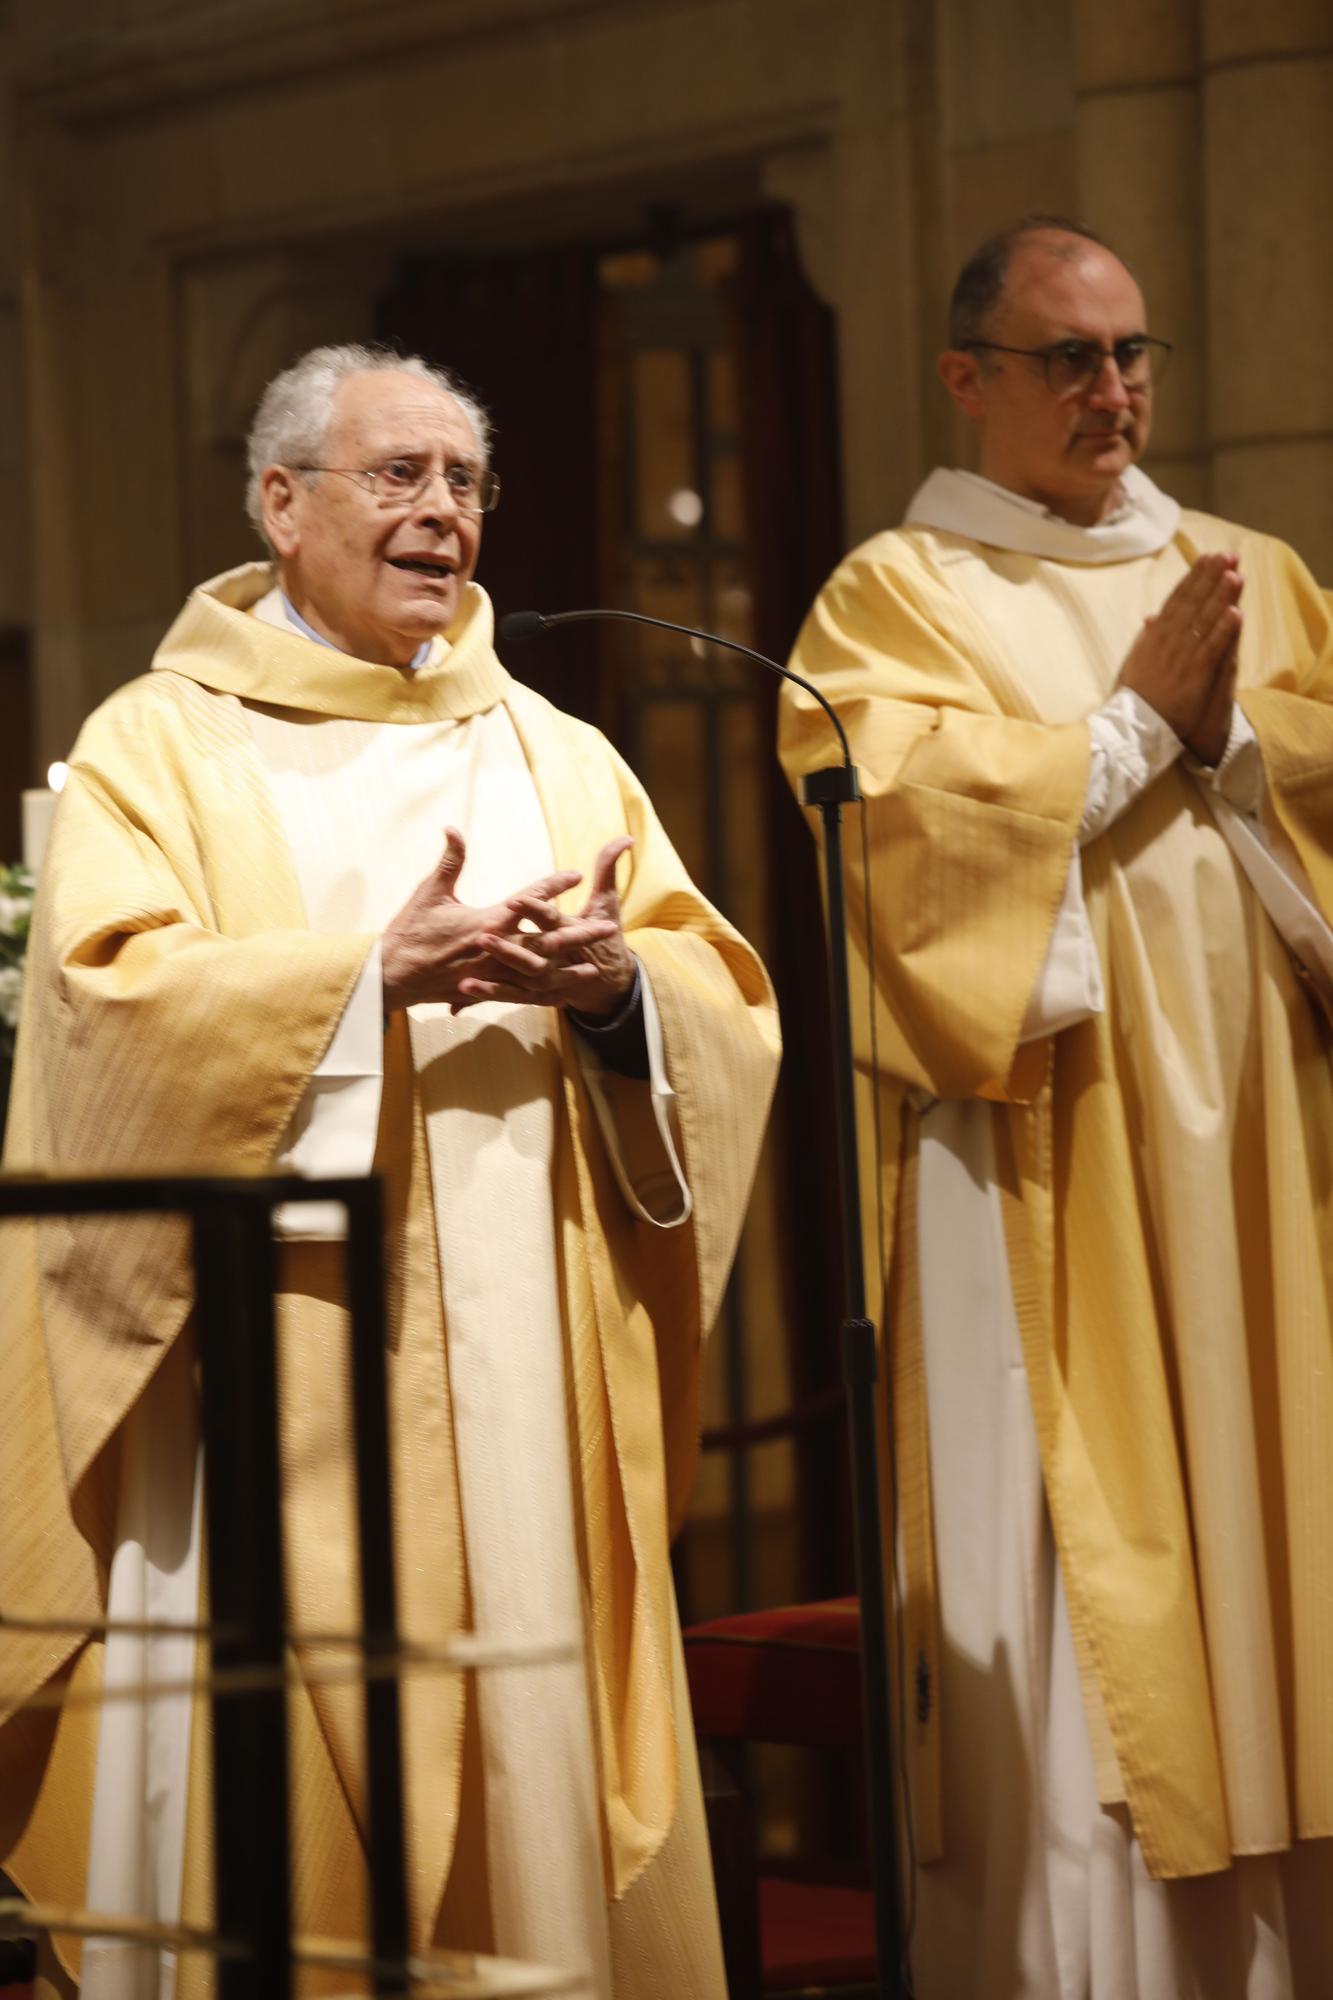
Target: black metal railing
{"type": "Point", "coordinates": [235, 1271]}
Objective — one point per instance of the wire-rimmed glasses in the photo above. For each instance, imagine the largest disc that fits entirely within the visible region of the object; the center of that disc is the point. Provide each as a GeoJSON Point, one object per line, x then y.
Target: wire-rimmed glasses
{"type": "Point", "coordinates": [400, 482]}
{"type": "Point", "coordinates": [1073, 366]}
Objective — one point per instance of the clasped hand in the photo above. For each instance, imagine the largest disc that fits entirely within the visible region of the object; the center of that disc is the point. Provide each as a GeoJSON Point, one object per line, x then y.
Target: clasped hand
{"type": "Point", "coordinates": [523, 949]}
{"type": "Point", "coordinates": [1184, 661]}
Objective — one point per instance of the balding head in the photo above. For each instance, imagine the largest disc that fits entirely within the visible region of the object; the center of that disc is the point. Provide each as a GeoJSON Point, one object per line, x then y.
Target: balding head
{"type": "Point", "coordinates": [1049, 359]}
{"type": "Point", "coordinates": [983, 278]}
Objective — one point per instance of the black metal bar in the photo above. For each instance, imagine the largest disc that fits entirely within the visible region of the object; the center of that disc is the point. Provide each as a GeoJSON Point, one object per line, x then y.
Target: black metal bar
{"type": "Point", "coordinates": [379, 1605]}
{"type": "Point", "coordinates": [159, 1194]}
{"type": "Point", "coordinates": [740, 1523]}
{"type": "Point", "coordinates": [829, 790]}
{"type": "Point", "coordinates": [234, 1284]}
{"type": "Point", "coordinates": [234, 1321]}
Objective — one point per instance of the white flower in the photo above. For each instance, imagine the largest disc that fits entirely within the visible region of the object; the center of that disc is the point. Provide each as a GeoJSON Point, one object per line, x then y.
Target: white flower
{"type": "Point", "coordinates": [11, 983]}
{"type": "Point", "coordinates": [13, 909]}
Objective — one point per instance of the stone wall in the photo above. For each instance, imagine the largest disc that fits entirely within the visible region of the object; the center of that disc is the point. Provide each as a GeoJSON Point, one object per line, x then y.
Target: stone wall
{"type": "Point", "coordinates": [206, 185]}
{"type": "Point", "coordinates": [190, 214]}
{"type": "Point", "coordinates": [1205, 147]}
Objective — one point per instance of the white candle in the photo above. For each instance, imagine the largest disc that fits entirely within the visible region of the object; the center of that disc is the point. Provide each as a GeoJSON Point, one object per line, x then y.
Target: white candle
{"type": "Point", "coordinates": [38, 808]}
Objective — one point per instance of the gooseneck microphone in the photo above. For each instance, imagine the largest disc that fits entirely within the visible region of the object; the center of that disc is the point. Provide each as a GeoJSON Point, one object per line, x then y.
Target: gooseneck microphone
{"type": "Point", "coordinates": [830, 790]}
{"type": "Point", "coordinates": [520, 625]}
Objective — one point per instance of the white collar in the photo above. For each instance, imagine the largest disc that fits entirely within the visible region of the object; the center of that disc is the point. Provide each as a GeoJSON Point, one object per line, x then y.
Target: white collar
{"type": "Point", "coordinates": [963, 503]}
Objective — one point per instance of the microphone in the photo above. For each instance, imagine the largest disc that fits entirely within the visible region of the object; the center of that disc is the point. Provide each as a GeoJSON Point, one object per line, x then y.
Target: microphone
{"type": "Point", "coordinates": [523, 624]}
{"type": "Point", "coordinates": [520, 625]}
{"type": "Point", "coordinates": [829, 790]}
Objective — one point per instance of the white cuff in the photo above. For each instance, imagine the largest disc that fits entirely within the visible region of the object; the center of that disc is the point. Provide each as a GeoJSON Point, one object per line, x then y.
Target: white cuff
{"type": "Point", "coordinates": [640, 1125]}
{"type": "Point", "coordinates": [1238, 776]}
{"type": "Point", "coordinates": [1069, 986]}
{"type": "Point", "coordinates": [1131, 745]}
{"type": "Point", "coordinates": [334, 1128]}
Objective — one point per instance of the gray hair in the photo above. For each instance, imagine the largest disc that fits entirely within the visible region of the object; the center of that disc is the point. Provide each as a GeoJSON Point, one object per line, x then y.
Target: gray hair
{"type": "Point", "coordinates": [291, 425]}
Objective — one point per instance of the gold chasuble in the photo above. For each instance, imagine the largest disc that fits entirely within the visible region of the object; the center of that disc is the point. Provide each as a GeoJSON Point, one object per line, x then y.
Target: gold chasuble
{"type": "Point", "coordinates": [176, 1006]}
{"type": "Point", "coordinates": [1164, 1166]}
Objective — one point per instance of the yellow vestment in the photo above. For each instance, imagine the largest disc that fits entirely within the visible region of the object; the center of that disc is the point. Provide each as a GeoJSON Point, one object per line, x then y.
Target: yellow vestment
{"type": "Point", "coordinates": [1165, 1167]}
{"type": "Point", "coordinates": [175, 1009]}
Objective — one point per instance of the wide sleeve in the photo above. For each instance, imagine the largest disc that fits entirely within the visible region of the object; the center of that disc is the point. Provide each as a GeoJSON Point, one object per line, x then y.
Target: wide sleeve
{"type": "Point", "coordinates": [638, 1118]}
{"type": "Point", "coordinates": [720, 1040]}
{"type": "Point", "coordinates": [1287, 659]}
{"type": "Point", "coordinates": [659, 1288]}
{"type": "Point", "coordinates": [174, 1010]}
{"type": "Point", "coordinates": [719, 1034]}
{"type": "Point", "coordinates": [971, 814]}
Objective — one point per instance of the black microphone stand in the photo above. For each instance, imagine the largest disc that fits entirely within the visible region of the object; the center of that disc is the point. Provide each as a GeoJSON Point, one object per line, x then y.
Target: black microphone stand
{"type": "Point", "coordinates": [829, 791]}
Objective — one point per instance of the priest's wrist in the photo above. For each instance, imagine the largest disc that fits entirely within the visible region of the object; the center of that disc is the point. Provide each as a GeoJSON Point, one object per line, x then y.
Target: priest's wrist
{"type": "Point", "coordinates": [393, 976]}
{"type": "Point", "coordinates": [406, 976]}
{"type": "Point", "coordinates": [610, 1002]}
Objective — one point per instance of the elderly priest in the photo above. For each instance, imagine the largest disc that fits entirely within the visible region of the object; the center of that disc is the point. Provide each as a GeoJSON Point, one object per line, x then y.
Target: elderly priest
{"type": "Point", "coordinates": [327, 888]}
{"type": "Point", "coordinates": [1096, 736]}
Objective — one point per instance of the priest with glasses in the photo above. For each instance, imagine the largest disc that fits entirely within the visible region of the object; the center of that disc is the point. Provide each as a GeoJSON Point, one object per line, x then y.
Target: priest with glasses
{"type": "Point", "coordinates": [1095, 734]}
{"type": "Point", "coordinates": [328, 891]}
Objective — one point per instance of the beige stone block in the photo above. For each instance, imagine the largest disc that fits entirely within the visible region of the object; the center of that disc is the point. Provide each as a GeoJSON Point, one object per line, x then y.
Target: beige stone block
{"type": "Point", "coordinates": [994, 185]}
{"type": "Point", "coordinates": [67, 685]}
{"type": "Point", "coordinates": [8, 166]}
{"type": "Point", "coordinates": [1008, 68]}
{"type": "Point", "coordinates": [1232, 29]}
{"type": "Point", "coordinates": [735, 61]}
{"type": "Point", "coordinates": [1139, 41]}
{"type": "Point", "coordinates": [1284, 489]}
{"type": "Point", "coordinates": [1139, 185]}
{"type": "Point", "coordinates": [476, 120]}
{"type": "Point", "coordinates": [12, 445]}
{"type": "Point", "coordinates": [622, 81]}
{"type": "Point", "coordinates": [120, 529]}
{"type": "Point", "coordinates": [879, 354]}
{"type": "Point", "coordinates": [473, 144]}
{"type": "Point", "coordinates": [1188, 479]}
{"type": "Point", "coordinates": [158, 13]}
{"type": "Point", "coordinates": [319, 148]}
{"type": "Point", "coordinates": [1268, 153]}
{"type": "Point", "coordinates": [152, 178]}
{"type": "Point", "coordinates": [15, 502]}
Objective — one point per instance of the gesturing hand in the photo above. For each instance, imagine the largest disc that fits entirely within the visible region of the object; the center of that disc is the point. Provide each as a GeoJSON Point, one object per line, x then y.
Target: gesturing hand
{"type": "Point", "coordinates": [435, 940]}
{"type": "Point", "coordinates": [581, 961]}
{"type": "Point", "coordinates": [1183, 662]}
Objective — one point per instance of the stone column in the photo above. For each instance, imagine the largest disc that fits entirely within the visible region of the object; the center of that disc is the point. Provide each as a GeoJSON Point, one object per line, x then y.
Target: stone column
{"type": "Point", "coordinates": [13, 453]}
{"type": "Point", "coordinates": [1140, 185]}
{"type": "Point", "coordinates": [1268, 162]}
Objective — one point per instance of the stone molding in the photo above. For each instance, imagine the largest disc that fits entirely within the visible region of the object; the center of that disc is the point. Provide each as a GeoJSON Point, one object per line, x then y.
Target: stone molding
{"type": "Point", "coordinates": [189, 53]}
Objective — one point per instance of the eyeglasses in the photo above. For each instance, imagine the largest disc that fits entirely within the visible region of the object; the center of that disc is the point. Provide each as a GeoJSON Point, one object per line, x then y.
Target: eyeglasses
{"type": "Point", "coordinates": [400, 482]}
{"type": "Point", "coordinates": [1072, 366]}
